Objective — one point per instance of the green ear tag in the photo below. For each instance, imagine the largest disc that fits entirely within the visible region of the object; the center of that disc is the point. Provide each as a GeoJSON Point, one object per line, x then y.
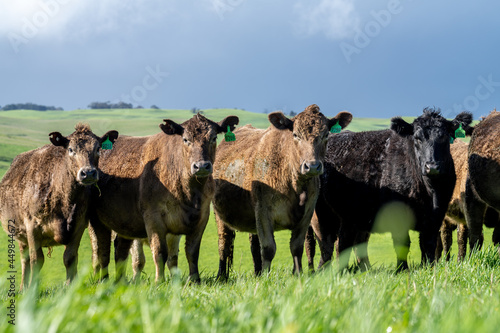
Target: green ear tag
{"type": "Point", "coordinates": [336, 128]}
{"type": "Point", "coordinates": [107, 144]}
{"type": "Point", "coordinates": [451, 139]}
{"type": "Point", "coordinates": [229, 136]}
{"type": "Point", "coordinates": [460, 133]}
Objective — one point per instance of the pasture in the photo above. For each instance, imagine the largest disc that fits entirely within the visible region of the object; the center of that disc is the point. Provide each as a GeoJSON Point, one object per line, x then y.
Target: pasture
{"type": "Point", "coordinates": [448, 297]}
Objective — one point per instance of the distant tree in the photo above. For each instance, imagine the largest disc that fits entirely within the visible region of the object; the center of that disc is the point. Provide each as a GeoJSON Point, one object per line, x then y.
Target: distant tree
{"type": "Point", "coordinates": [108, 105]}
{"type": "Point", "coordinates": [154, 107]}
{"type": "Point", "coordinates": [139, 107]}
{"type": "Point", "coordinates": [29, 106]}
{"type": "Point", "coordinates": [292, 114]}
{"type": "Point", "coordinates": [266, 111]}
{"type": "Point", "coordinates": [195, 110]}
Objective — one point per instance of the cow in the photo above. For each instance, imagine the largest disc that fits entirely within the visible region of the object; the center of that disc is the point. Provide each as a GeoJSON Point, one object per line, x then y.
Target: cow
{"type": "Point", "coordinates": [268, 180]}
{"type": "Point", "coordinates": [482, 189]}
{"type": "Point", "coordinates": [390, 180]}
{"type": "Point", "coordinates": [157, 187]}
{"type": "Point", "coordinates": [44, 197]}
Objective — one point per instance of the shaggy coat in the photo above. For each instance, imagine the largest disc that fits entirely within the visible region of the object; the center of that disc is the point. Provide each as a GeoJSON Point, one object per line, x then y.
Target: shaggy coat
{"type": "Point", "coordinates": [156, 186]}
{"type": "Point", "coordinates": [482, 192]}
{"type": "Point", "coordinates": [387, 181]}
{"type": "Point", "coordinates": [44, 197]}
{"type": "Point", "coordinates": [267, 180]}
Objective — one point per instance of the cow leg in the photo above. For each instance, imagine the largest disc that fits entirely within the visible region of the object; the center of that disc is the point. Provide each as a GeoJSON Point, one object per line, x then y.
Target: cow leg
{"type": "Point", "coordinates": [401, 241]}
{"type": "Point", "coordinates": [462, 236]}
{"type": "Point", "coordinates": [474, 214]}
{"type": "Point", "coordinates": [439, 243]}
{"type": "Point", "coordinates": [446, 238]}
{"type": "Point", "coordinates": [347, 236]}
{"type": "Point", "coordinates": [297, 247]}
{"type": "Point", "coordinates": [310, 247]}
{"type": "Point", "coordinates": [226, 248]}
{"type": "Point", "coordinates": [193, 243]}
{"type": "Point", "coordinates": [138, 259]}
{"type": "Point", "coordinates": [265, 232]}
{"type": "Point", "coordinates": [257, 258]}
{"type": "Point", "coordinates": [361, 250]}
{"type": "Point", "coordinates": [326, 228]}
{"type": "Point", "coordinates": [122, 248]}
{"type": "Point", "coordinates": [25, 265]}
{"type": "Point", "coordinates": [70, 255]}
{"type": "Point", "coordinates": [100, 238]}
{"type": "Point", "coordinates": [35, 252]}
{"type": "Point", "coordinates": [173, 242]}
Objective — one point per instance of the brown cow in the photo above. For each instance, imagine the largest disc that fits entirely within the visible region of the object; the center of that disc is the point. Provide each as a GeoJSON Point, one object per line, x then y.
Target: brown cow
{"type": "Point", "coordinates": [268, 181]}
{"type": "Point", "coordinates": [156, 186]}
{"type": "Point", "coordinates": [482, 189]}
{"type": "Point", "coordinates": [44, 197]}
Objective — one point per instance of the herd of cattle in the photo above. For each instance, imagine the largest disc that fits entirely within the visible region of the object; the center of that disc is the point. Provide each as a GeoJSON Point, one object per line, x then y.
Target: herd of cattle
{"type": "Point", "coordinates": [298, 175]}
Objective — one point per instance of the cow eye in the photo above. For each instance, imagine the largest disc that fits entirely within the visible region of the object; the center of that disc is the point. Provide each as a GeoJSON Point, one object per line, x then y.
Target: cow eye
{"type": "Point", "coordinates": [295, 136]}
{"type": "Point", "coordinates": [186, 141]}
{"type": "Point", "coordinates": [70, 151]}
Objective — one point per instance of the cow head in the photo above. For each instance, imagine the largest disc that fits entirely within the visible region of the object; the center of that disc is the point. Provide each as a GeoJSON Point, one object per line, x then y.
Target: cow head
{"type": "Point", "coordinates": [82, 151]}
{"type": "Point", "coordinates": [199, 141]}
{"type": "Point", "coordinates": [309, 130]}
{"type": "Point", "coordinates": [431, 134]}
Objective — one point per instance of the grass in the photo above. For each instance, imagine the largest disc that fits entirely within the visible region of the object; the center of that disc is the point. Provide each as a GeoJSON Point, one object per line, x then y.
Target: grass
{"type": "Point", "coordinates": [448, 297]}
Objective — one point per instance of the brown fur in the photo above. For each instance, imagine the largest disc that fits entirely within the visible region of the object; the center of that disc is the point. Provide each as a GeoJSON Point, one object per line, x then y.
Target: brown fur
{"type": "Point", "coordinates": [455, 215]}
{"type": "Point", "coordinates": [148, 189]}
{"type": "Point", "coordinates": [43, 192]}
{"type": "Point", "coordinates": [262, 185]}
{"type": "Point", "coordinates": [482, 193]}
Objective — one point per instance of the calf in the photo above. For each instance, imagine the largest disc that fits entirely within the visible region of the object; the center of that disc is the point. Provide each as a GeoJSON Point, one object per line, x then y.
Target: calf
{"type": "Point", "coordinates": [44, 197]}
{"type": "Point", "coordinates": [391, 180]}
{"type": "Point", "coordinates": [482, 189]}
{"type": "Point", "coordinates": [268, 181]}
{"type": "Point", "coordinates": [156, 186]}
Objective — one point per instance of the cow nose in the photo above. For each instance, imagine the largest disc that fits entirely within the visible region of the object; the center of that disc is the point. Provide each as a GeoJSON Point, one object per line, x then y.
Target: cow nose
{"type": "Point", "coordinates": [432, 168]}
{"type": "Point", "coordinates": [312, 168]}
{"type": "Point", "coordinates": [88, 175]}
{"type": "Point", "coordinates": [202, 168]}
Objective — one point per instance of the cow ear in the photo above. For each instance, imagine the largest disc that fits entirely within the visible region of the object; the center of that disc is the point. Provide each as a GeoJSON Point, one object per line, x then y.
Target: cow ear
{"type": "Point", "coordinates": [464, 119]}
{"type": "Point", "coordinates": [280, 121]}
{"type": "Point", "coordinates": [342, 118]}
{"type": "Point", "coordinates": [111, 135]}
{"type": "Point", "coordinates": [230, 121]}
{"type": "Point", "coordinates": [171, 127]}
{"type": "Point", "coordinates": [401, 127]}
{"type": "Point", "coordinates": [58, 140]}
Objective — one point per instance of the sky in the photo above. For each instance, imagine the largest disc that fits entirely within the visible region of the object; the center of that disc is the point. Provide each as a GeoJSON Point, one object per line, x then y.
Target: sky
{"type": "Point", "coordinates": [377, 58]}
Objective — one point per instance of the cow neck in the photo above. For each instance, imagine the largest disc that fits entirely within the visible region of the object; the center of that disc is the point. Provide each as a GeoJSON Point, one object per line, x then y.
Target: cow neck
{"type": "Point", "coordinates": [64, 189]}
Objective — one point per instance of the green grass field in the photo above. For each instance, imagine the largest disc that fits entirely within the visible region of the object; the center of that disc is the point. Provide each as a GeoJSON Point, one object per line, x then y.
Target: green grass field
{"type": "Point", "coordinates": [448, 297]}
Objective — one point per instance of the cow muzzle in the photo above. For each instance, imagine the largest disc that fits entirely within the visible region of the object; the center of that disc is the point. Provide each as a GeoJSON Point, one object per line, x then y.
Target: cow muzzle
{"type": "Point", "coordinates": [432, 168]}
{"type": "Point", "coordinates": [311, 168]}
{"type": "Point", "coordinates": [87, 176]}
{"type": "Point", "coordinates": [201, 169]}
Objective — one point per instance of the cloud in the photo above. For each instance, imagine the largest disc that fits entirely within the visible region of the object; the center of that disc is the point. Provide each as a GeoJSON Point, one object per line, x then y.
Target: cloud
{"type": "Point", "coordinates": [70, 18]}
{"type": "Point", "coordinates": [336, 19]}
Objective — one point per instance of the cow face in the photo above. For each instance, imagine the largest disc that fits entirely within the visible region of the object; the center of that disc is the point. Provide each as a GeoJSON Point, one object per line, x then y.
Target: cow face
{"type": "Point", "coordinates": [199, 141]}
{"type": "Point", "coordinates": [310, 130]}
{"type": "Point", "coordinates": [82, 152]}
{"type": "Point", "coordinates": [431, 137]}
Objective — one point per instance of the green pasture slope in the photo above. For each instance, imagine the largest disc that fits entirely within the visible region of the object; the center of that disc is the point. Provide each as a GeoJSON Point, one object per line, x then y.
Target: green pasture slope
{"type": "Point", "coordinates": [448, 297]}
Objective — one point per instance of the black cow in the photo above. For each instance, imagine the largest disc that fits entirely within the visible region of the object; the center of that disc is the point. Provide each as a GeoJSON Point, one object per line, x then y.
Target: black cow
{"type": "Point", "coordinates": [392, 180]}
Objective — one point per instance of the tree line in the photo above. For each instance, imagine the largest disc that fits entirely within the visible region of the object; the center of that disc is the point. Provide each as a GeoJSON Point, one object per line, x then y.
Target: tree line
{"type": "Point", "coordinates": [29, 106]}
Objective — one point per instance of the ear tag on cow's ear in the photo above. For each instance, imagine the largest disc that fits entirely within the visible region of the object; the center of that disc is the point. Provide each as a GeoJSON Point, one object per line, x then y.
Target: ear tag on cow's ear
{"type": "Point", "coordinates": [229, 136]}
{"type": "Point", "coordinates": [107, 144]}
{"type": "Point", "coordinates": [336, 128]}
{"type": "Point", "coordinates": [451, 139]}
{"type": "Point", "coordinates": [460, 133]}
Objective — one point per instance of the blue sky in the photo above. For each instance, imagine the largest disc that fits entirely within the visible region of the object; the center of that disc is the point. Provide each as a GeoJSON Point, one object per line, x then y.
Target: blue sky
{"type": "Point", "coordinates": [372, 58]}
